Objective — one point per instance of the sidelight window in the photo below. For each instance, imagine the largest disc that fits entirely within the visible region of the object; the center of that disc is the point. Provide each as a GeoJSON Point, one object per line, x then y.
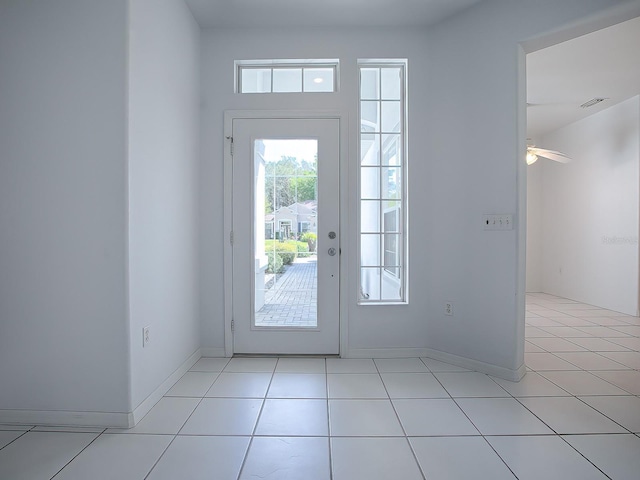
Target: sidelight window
{"type": "Point", "coordinates": [382, 182]}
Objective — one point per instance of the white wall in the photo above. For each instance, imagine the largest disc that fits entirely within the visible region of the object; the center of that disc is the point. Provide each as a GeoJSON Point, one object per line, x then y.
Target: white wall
{"type": "Point", "coordinates": [369, 327]}
{"type": "Point", "coordinates": [98, 205]}
{"type": "Point", "coordinates": [464, 93]}
{"type": "Point", "coordinates": [63, 332]}
{"type": "Point", "coordinates": [474, 164]}
{"type": "Point", "coordinates": [164, 106]}
{"type": "Point", "coordinates": [590, 221]}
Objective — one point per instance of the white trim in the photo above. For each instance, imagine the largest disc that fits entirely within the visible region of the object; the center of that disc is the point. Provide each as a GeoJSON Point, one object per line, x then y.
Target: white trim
{"type": "Point", "coordinates": [386, 352]}
{"type": "Point", "coordinates": [228, 225]}
{"type": "Point", "coordinates": [403, 218]}
{"type": "Point", "coordinates": [98, 419]}
{"type": "Point", "coordinates": [468, 363]}
{"type": "Point", "coordinates": [288, 62]}
{"type": "Point", "coordinates": [520, 278]}
{"type": "Point", "coordinates": [148, 403]}
{"type": "Point", "coordinates": [382, 61]}
{"type": "Point", "coordinates": [478, 366]}
{"type": "Point", "coordinates": [213, 352]}
{"type": "Point", "coordinates": [603, 19]}
{"type": "Point", "coordinates": [67, 418]}
{"type": "Point", "coordinates": [127, 220]}
{"type": "Point", "coordinates": [346, 220]}
{"type": "Point", "coordinates": [229, 116]}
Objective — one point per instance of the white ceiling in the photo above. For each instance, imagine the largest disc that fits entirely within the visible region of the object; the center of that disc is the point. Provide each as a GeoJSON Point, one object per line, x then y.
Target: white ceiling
{"type": "Point", "coordinates": [323, 13]}
{"type": "Point", "coordinates": [604, 64]}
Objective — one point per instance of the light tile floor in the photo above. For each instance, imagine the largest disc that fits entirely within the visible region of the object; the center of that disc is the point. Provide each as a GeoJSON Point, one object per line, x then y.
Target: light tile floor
{"type": "Point", "coordinates": [575, 415]}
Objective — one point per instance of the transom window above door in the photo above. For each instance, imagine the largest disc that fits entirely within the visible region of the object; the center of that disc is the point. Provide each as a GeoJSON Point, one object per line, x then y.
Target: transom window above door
{"type": "Point", "coordinates": [287, 76]}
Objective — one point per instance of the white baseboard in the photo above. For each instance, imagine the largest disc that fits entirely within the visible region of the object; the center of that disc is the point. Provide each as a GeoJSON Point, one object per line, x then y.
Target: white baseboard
{"type": "Point", "coordinates": [66, 418]}
{"type": "Point", "coordinates": [478, 366]}
{"type": "Point", "coordinates": [212, 352]}
{"type": "Point", "coordinates": [98, 419]}
{"type": "Point", "coordinates": [384, 352]}
{"type": "Point", "coordinates": [148, 403]}
{"type": "Point", "coordinates": [468, 363]}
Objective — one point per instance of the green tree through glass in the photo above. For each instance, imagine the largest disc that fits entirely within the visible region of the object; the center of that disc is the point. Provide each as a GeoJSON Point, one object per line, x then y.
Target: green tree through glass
{"type": "Point", "coordinates": [289, 181]}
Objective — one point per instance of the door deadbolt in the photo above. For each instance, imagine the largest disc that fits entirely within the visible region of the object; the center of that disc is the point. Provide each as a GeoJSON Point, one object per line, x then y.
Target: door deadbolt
{"type": "Point", "coordinates": [332, 235]}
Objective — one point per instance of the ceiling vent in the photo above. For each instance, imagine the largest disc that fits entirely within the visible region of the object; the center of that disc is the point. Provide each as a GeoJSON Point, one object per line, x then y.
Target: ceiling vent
{"type": "Point", "coordinates": [592, 102]}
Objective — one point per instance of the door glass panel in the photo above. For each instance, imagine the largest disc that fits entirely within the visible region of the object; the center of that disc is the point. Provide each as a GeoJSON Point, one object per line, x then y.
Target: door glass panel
{"type": "Point", "coordinates": [285, 228]}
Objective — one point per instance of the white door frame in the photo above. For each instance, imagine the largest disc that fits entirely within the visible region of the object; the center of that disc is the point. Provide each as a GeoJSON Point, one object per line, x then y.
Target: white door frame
{"type": "Point", "coordinates": [229, 116]}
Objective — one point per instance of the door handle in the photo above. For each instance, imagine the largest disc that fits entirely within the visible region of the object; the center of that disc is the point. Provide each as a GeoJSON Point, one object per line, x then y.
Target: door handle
{"type": "Point", "coordinates": [332, 251]}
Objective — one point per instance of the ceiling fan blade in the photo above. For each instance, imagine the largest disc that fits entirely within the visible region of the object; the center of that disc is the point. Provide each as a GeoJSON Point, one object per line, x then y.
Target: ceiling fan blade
{"type": "Point", "coordinates": [550, 154]}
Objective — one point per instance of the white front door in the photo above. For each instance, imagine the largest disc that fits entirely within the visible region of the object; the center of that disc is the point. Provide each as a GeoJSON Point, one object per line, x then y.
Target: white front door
{"type": "Point", "coordinates": [286, 238]}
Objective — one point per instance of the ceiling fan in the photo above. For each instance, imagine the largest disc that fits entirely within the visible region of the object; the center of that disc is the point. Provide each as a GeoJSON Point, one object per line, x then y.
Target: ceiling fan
{"type": "Point", "coordinates": [534, 152]}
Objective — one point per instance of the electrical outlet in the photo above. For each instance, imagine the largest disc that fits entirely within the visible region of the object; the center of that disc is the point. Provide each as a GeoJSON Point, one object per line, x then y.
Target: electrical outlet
{"type": "Point", "coordinates": [146, 336]}
{"type": "Point", "coordinates": [448, 308]}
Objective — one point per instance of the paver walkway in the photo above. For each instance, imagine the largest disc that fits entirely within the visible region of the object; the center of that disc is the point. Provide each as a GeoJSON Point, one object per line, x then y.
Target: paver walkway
{"type": "Point", "coordinates": [292, 301]}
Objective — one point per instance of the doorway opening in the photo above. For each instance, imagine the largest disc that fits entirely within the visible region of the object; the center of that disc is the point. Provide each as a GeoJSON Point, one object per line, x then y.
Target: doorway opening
{"type": "Point", "coordinates": [575, 307]}
{"type": "Point", "coordinates": [582, 238]}
{"type": "Point", "coordinates": [283, 202]}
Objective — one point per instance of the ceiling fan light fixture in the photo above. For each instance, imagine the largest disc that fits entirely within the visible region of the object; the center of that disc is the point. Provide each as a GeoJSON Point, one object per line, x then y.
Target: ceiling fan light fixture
{"type": "Point", "coordinates": [534, 152]}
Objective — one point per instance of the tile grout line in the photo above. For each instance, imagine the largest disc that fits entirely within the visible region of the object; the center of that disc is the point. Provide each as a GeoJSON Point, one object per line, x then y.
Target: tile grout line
{"type": "Point", "coordinates": [404, 431]}
{"type": "Point", "coordinates": [475, 426]}
{"type": "Point", "coordinates": [160, 457]}
{"type": "Point", "coordinates": [583, 456]}
{"type": "Point", "coordinates": [326, 389]}
{"type": "Point", "coordinates": [255, 426]}
{"type": "Point", "coordinates": [186, 420]}
{"type": "Point", "coordinates": [580, 400]}
{"type": "Point", "coordinates": [22, 433]}
{"type": "Point", "coordinates": [580, 368]}
{"type": "Point", "coordinates": [77, 454]}
{"type": "Point", "coordinates": [571, 395]}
